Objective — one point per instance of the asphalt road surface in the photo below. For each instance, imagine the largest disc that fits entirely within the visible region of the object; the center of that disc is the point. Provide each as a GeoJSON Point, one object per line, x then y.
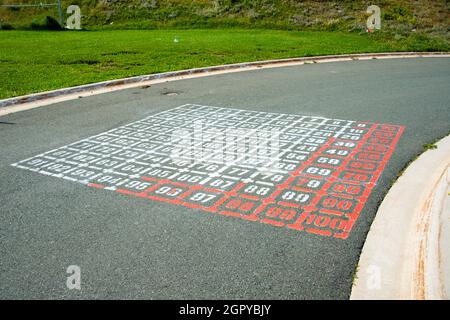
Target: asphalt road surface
{"type": "Point", "coordinates": [153, 247]}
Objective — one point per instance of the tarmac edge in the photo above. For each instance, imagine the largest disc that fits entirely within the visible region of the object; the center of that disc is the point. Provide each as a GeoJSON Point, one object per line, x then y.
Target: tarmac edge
{"type": "Point", "coordinates": [406, 253]}
{"type": "Point", "coordinates": [31, 101]}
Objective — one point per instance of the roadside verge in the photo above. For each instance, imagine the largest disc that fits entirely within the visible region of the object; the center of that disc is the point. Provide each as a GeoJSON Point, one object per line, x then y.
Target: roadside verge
{"type": "Point", "coordinates": [407, 250]}
{"type": "Point", "coordinates": [31, 101]}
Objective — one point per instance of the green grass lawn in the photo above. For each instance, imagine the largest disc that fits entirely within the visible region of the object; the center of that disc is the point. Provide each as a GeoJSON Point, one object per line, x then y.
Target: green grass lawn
{"type": "Point", "coordinates": [34, 61]}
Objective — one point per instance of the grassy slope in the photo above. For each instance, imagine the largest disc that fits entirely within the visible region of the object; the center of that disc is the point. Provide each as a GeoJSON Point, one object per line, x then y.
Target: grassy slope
{"type": "Point", "coordinates": [398, 15]}
{"type": "Point", "coordinates": [32, 62]}
{"type": "Point", "coordinates": [37, 61]}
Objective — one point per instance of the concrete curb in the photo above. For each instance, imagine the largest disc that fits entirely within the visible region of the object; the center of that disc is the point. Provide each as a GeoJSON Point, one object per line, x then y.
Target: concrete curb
{"type": "Point", "coordinates": [406, 253]}
{"type": "Point", "coordinates": [45, 98]}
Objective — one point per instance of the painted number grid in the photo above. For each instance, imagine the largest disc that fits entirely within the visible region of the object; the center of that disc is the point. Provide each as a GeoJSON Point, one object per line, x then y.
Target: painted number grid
{"type": "Point", "coordinates": [325, 172]}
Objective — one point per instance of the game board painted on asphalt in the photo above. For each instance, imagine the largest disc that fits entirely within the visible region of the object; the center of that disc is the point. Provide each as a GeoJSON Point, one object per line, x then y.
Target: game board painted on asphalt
{"type": "Point", "coordinates": [322, 175]}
